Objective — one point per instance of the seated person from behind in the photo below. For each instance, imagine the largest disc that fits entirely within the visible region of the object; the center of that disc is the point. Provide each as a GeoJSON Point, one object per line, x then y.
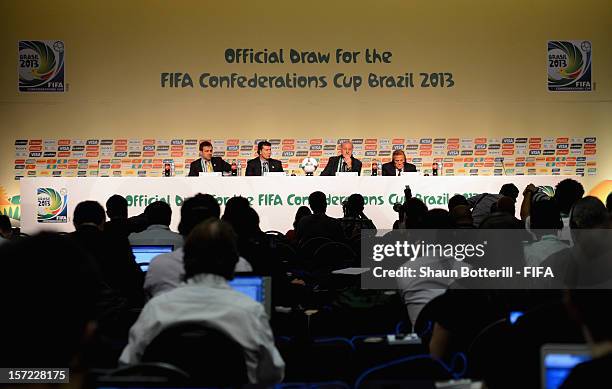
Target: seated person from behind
{"type": "Point", "coordinates": [6, 230]}
{"type": "Point", "coordinates": [354, 219]}
{"type": "Point", "coordinates": [481, 204]}
{"type": "Point", "coordinates": [166, 271]}
{"type": "Point", "coordinates": [545, 225]}
{"type": "Point", "coordinates": [301, 212]}
{"type": "Point", "coordinates": [159, 215]}
{"type": "Point", "coordinates": [319, 224]}
{"type": "Point", "coordinates": [207, 163]}
{"type": "Point", "coordinates": [397, 165]}
{"type": "Point", "coordinates": [263, 163]}
{"type": "Point", "coordinates": [345, 162]}
{"type": "Point", "coordinates": [211, 255]}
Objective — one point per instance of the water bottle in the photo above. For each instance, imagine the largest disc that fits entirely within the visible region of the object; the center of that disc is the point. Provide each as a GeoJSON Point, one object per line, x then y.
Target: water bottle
{"type": "Point", "coordinates": [374, 168]}
{"type": "Point", "coordinates": [239, 168]}
{"type": "Point", "coordinates": [234, 168]}
{"type": "Point", "coordinates": [434, 169]}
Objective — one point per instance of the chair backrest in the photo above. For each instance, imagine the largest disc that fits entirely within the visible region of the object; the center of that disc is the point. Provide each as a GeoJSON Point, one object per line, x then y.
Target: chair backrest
{"type": "Point", "coordinates": [145, 373]}
{"type": "Point", "coordinates": [333, 256]}
{"type": "Point", "coordinates": [210, 356]}
{"type": "Point", "coordinates": [307, 249]}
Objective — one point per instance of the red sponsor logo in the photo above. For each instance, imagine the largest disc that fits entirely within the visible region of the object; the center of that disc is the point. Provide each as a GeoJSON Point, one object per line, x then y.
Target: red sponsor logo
{"type": "Point", "coordinates": [30, 167]}
{"type": "Point", "coordinates": [92, 148]}
{"type": "Point", "coordinates": [535, 146]}
{"type": "Point", "coordinates": [535, 140]}
{"type": "Point", "coordinates": [121, 148]}
{"type": "Point", "coordinates": [35, 148]}
{"type": "Point", "coordinates": [231, 154]}
{"type": "Point", "coordinates": [148, 153]}
{"type": "Point", "coordinates": [571, 159]}
{"type": "Point", "coordinates": [63, 142]}
{"type": "Point", "coordinates": [126, 160]}
{"type": "Point", "coordinates": [72, 166]}
{"type": "Point", "coordinates": [288, 141]}
{"type": "Point", "coordinates": [453, 146]}
{"type": "Point", "coordinates": [156, 161]}
{"type": "Point", "coordinates": [61, 166]}
{"type": "Point", "coordinates": [550, 159]}
{"type": "Point", "coordinates": [479, 164]}
{"type": "Point", "coordinates": [316, 153]}
{"type": "Point", "coordinates": [530, 164]}
{"type": "Point", "coordinates": [148, 142]}
{"type": "Point", "coordinates": [458, 159]}
{"type": "Point", "coordinates": [425, 153]}
{"type": "Point", "coordinates": [591, 163]}
{"type": "Point", "coordinates": [480, 140]}
{"type": "Point", "coordinates": [316, 141]}
{"type": "Point", "coordinates": [121, 142]}
{"type": "Point", "coordinates": [590, 146]}
{"type": "Point", "coordinates": [489, 159]}
{"type": "Point", "coordinates": [508, 146]}
{"type": "Point", "coordinates": [452, 140]}
{"type": "Point", "coordinates": [157, 166]}
{"type": "Point", "coordinates": [19, 161]}
{"type": "Point", "coordinates": [448, 165]}
{"type": "Point", "coordinates": [562, 152]}
{"type": "Point", "coordinates": [507, 152]}
{"type": "Point", "coordinates": [371, 141]}
{"type": "Point", "coordinates": [176, 154]}
{"type": "Point", "coordinates": [489, 164]}
{"type": "Point", "coordinates": [425, 147]}
{"type": "Point", "coordinates": [370, 147]}
{"type": "Point", "coordinates": [146, 166]}
{"type": "Point", "coordinates": [63, 154]}
{"type": "Point", "coordinates": [232, 142]}
{"type": "Point", "coordinates": [570, 164]}
{"type": "Point", "coordinates": [540, 159]}
{"type": "Point", "coordinates": [480, 152]}
{"type": "Point", "coordinates": [176, 148]}
{"type": "Point", "coordinates": [396, 141]}
{"type": "Point", "coordinates": [116, 166]}
{"type": "Point", "coordinates": [588, 152]}
{"type": "Point", "coordinates": [560, 164]}
{"type": "Point", "coordinates": [33, 142]}
{"type": "Point", "coordinates": [562, 140]}
{"type": "Point", "coordinates": [288, 147]}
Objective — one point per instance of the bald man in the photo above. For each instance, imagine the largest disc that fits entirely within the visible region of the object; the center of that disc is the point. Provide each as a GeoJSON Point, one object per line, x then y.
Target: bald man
{"type": "Point", "coordinates": [345, 162]}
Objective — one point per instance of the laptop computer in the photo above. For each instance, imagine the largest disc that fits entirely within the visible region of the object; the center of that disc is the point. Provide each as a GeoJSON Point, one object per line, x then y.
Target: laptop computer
{"type": "Point", "coordinates": [144, 254]}
{"type": "Point", "coordinates": [557, 360]}
{"type": "Point", "coordinates": [257, 287]}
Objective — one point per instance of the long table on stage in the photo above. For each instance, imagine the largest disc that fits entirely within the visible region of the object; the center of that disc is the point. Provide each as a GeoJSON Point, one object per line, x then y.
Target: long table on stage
{"type": "Point", "coordinates": [48, 203]}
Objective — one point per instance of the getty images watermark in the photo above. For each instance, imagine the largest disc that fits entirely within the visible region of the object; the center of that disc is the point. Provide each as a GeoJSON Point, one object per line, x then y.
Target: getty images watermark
{"type": "Point", "coordinates": [486, 259]}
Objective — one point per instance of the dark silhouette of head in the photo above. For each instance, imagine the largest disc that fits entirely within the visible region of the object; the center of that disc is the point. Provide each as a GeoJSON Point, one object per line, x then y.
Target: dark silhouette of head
{"type": "Point", "coordinates": [567, 192]}
{"type": "Point", "coordinates": [88, 213]}
{"type": "Point", "coordinates": [509, 190]}
{"type": "Point", "coordinates": [195, 210]}
{"type": "Point", "coordinates": [462, 216]}
{"type": "Point", "coordinates": [354, 205]}
{"type": "Point", "coordinates": [505, 204]}
{"type": "Point", "coordinates": [414, 212]}
{"type": "Point", "coordinates": [318, 202]}
{"type": "Point", "coordinates": [301, 212]}
{"type": "Point", "coordinates": [545, 218]}
{"type": "Point", "coordinates": [116, 207]}
{"type": "Point", "coordinates": [6, 230]}
{"type": "Point", "coordinates": [158, 212]}
{"type": "Point", "coordinates": [210, 248]}
{"type": "Point", "coordinates": [456, 200]}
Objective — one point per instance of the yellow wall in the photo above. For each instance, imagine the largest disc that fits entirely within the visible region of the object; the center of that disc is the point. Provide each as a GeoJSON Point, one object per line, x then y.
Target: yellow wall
{"type": "Point", "coordinates": [116, 50]}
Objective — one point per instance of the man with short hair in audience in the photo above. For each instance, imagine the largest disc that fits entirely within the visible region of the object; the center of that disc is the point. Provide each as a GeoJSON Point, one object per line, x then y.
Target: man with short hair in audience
{"type": "Point", "coordinates": [112, 254]}
{"type": "Point", "coordinates": [456, 200]}
{"type": "Point", "coordinates": [319, 224]}
{"type": "Point", "coordinates": [589, 308]}
{"type": "Point", "coordinates": [481, 204]}
{"type": "Point", "coordinates": [6, 230]}
{"type": "Point", "coordinates": [545, 225]}
{"type": "Point", "coordinates": [567, 193]}
{"type": "Point", "coordinates": [354, 219]}
{"type": "Point", "coordinates": [166, 271]}
{"type": "Point", "coordinates": [461, 216]}
{"type": "Point", "coordinates": [159, 215]}
{"type": "Point", "coordinates": [210, 258]}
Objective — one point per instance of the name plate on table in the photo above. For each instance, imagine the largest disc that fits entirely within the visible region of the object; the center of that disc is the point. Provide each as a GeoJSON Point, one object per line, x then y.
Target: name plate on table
{"type": "Point", "coordinates": [410, 174]}
{"type": "Point", "coordinates": [274, 174]}
{"type": "Point", "coordinates": [347, 174]}
{"type": "Point", "coordinates": [210, 174]}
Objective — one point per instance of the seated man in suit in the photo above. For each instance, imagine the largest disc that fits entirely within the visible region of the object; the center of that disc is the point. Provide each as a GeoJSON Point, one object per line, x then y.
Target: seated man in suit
{"type": "Point", "coordinates": [345, 162]}
{"type": "Point", "coordinates": [397, 165]}
{"type": "Point", "coordinates": [263, 164]}
{"type": "Point", "coordinates": [208, 163]}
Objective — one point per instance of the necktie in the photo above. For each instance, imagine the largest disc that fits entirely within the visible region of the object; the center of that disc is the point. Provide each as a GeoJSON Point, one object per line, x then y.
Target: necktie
{"type": "Point", "coordinates": [209, 167]}
{"type": "Point", "coordinates": [399, 172]}
{"type": "Point", "coordinates": [265, 167]}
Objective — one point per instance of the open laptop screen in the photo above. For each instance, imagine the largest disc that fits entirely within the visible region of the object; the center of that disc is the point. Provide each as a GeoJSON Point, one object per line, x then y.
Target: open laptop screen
{"type": "Point", "coordinates": [558, 360]}
{"type": "Point", "coordinates": [256, 287]}
{"type": "Point", "coordinates": [144, 254]}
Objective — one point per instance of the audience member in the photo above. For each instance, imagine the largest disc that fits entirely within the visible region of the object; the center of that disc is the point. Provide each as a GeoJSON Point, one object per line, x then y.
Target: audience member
{"type": "Point", "coordinates": [609, 202]}
{"type": "Point", "coordinates": [6, 230]}
{"type": "Point", "coordinates": [159, 215]}
{"type": "Point", "coordinates": [461, 216]}
{"type": "Point", "coordinates": [413, 212]}
{"type": "Point", "coordinates": [210, 257]}
{"type": "Point", "coordinates": [354, 219]}
{"type": "Point", "coordinates": [301, 212]}
{"type": "Point", "coordinates": [113, 255]}
{"type": "Point", "coordinates": [545, 225]}
{"type": "Point", "coordinates": [166, 271]}
{"type": "Point", "coordinates": [588, 308]}
{"type": "Point", "coordinates": [456, 200]}
{"type": "Point", "coordinates": [481, 204]}
{"type": "Point", "coordinates": [319, 224]}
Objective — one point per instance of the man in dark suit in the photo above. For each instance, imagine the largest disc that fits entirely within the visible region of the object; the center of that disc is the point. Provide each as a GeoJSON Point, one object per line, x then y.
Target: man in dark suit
{"type": "Point", "coordinates": [263, 163]}
{"type": "Point", "coordinates": [319, 224]}
{"type": "Point", "coordinates": [397, 165]}
{"type": "Point", "coordinates": [345, 162]}
{"type": "Point", "coordinates": [208, 163]}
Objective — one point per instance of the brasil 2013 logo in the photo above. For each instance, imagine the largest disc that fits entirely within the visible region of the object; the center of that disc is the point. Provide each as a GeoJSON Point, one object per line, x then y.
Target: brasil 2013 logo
{"type": "Point", "coordinates": [52, 205]}
{"type": "Point", "coordinates": [569, 66]}
{"type": "Point", "coordinates": [41, 66]}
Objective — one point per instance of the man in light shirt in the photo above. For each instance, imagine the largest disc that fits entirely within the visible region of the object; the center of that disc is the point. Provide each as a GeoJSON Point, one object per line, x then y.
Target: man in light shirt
{"type": "Point", "coordinates": [210, 257]}
{"type": "Point", "coordinates": [159, 215]}
{"type": "Point", "coordinates": [545, 225]}
{"type": "Point", "coordinates": [166, 271]}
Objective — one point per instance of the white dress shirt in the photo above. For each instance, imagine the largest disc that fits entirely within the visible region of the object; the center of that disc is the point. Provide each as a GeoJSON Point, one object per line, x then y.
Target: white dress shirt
{"type": "Point", "coordinates": [537, 252]}
{"type": "Point", "coordinates": [208, 299]}
{"type": "Point", "coordinates": [157, 235]}
{"type": "Point", "coordinates": [166, 272]}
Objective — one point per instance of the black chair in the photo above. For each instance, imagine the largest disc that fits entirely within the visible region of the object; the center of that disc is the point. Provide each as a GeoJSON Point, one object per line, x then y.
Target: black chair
{"type": "Point", "coordinates": [147, 373]}
{"type": "Point", "coordinates": [333, 256]}
{"type": "Point", "coordinates": [307, 249]}
{"type": "Point", "coordinates": [208, 355]}
{"type": "Point", "coordinates": [490, 353]}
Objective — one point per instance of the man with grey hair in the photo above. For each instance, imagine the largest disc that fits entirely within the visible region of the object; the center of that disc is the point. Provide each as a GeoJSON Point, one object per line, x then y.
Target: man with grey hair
{"type": "Point", "coordinates": [345, 162]}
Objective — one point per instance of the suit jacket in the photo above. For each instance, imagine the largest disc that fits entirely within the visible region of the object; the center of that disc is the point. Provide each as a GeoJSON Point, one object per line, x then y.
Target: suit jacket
{"type": "Point", "coordinates": [332, 166]}
{"type": "Point", "coordinates": [253, 167]}
{"type": "Point", "coordinates": [219, 165]}
{"type": "Point", "coordinates": [388, 169]}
